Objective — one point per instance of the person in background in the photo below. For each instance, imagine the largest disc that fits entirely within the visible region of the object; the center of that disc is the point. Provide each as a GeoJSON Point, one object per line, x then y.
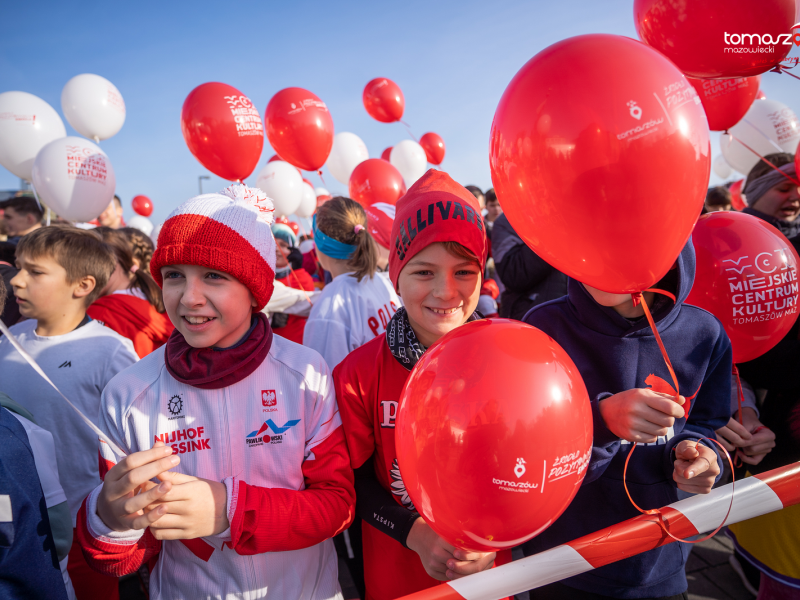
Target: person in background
{"type": "Point", "coordinates": [527, 279]}
{"type": "Point", "coordinates": [717, 199]}
{"type": "Point", "coordinates": [112, 215]}
{"type": "Point", "coordinates": [493, 211]}
{"type": "Point", "coordinates": [21, 215]}
{"type": "Point", "coordinates": [142, 246]}
{"type": "Point", "coordinates": [292, 275]}
{"type": "Point", "coordinates": [131, 302]}
{"type": "Point", "coordinates": [478, 193]}
{"type": "Point", "coordinates": [773, 196]}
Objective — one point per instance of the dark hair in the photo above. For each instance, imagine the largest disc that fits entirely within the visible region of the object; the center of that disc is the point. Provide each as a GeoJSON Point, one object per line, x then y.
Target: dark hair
{"type": "Point", "coordinates": [143, 246]}
{"type": "Point", "coordinates": [718, 196]}
{"type": "Point", "coordinates": [474, 190]}
{"type": "Point", "coordinates": [141, 279]}
{"type": "Point", "coordinates": [24, 205]}
{"type": "Point", "coordinates": [337, 218]}
{"type": "Point", "coordinates": [490, 196]}
{"type": "Point", "coordinates": [81, 252]}
{"type": "Point", "coordinates": [3, 295]}
{"type": "Point", "coordinates": [778, 159]}
{"type": "Point", "coordinates": [118, 200]}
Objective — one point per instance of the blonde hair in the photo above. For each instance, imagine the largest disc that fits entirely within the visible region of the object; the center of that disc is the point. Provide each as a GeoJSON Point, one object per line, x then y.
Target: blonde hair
{"type": "Point", "coordinates": [339, 218]}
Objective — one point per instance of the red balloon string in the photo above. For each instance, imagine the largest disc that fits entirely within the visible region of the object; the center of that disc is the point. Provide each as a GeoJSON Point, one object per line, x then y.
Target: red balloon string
{"type": "Point", "coordinates": [408, 129]}
{"type": "Point", "coordinates": [794, 181]}
{"type": "Point", "coordinates": [291, 269]}
{"type": "Point", "coordinates": [780, 69]}
{"type": "Point", "coordinates": [737, 459]}
{"type": "Point", "coordinates": [638, 298]}
{"type": "Point", "coordinates": [322, 178]}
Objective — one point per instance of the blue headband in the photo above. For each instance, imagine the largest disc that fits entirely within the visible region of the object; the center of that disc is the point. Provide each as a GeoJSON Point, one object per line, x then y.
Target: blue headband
{"type": "Point", "coordinates": [329, 246]}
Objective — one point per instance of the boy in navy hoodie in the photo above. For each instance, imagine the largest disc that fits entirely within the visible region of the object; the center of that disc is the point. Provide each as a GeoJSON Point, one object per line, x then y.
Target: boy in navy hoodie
{"type": "Point", "coordinates": [618, 356]}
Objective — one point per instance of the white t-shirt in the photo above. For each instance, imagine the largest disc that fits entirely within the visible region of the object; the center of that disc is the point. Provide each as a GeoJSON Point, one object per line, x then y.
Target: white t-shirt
{"type": "Point", "coordinates": [348, 314]}
{"type": "Point", "coordinates": [80, 363]}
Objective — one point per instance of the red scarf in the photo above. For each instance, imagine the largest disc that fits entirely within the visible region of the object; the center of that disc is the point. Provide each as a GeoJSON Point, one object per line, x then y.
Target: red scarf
{"type": "Point", "coordinates": [215, 368]}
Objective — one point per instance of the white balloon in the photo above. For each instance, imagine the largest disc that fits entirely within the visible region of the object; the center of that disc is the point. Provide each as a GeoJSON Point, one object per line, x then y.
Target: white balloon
{"type": "Point", "coordinates": [283, 184]}
{"type": "Point", "coordinates": [308, 204]}
{"type": "Point", "coordinates": [321, 191]}
{"type": "Point", "coordinates": [141, 223]}
{"type": "Point", "coordinates": [347, 153]}
{"type": "Point", "coordinates": [27, 124]}
{"type": "Point", "coordinates": [93, 106]}
{"type": "Point", "coordinates": [74, 177]}
{"type": "Point", "coordinates": [722, 169]}
{"type": "Point", "coordinates": [409, 158]}
{"type": "Point", "coordinates": [768, 127]}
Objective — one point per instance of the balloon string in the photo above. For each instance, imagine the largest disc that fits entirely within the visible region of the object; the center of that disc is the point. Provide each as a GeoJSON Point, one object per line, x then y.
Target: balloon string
{"type": "Point", "coordinates": [408, 129]}
{"type": "Point", "coordinates": [794, 181]}
{"type": "Point", "coordinates": [322, 178]}
{"type": "Point", "coordinates": [637, 299]}
{"type": "Point", "coordinates": [780, 69]}
{"type": "Point", "coordinates": [740, 399]}
{"type": "Point", "coordinates": [291, 270]}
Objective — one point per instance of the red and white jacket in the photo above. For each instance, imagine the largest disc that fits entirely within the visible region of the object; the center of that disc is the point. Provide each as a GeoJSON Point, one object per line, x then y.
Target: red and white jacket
{"type": "Point", "coordinates": [274, 439]}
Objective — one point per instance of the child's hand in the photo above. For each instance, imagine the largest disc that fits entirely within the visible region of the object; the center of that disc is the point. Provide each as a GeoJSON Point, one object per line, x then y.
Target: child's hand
{"type": "Point", "coordinates": [640, 415]}
{"type": "Point", "coordinates": [127, 490]}
{"type": "Point", "coordinates": [733, 435]}
{"type": "Point", "coordinates": [194, 508]}
{"type": "Point", "coordinates": [696, 467]}
{"type": "Point", "coordinates": [761, 441]}
{"type": "Point", "coordinates": [441, 560]}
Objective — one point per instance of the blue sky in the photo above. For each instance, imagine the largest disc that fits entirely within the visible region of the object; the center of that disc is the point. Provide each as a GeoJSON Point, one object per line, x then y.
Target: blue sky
{"type": "Point", "coordinates": [452, 60]}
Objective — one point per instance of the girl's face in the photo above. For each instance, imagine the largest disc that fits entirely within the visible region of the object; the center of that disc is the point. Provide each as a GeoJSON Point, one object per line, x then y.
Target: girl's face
{"type": "Point", "coordinates": [282, 250]}
{"type": "Point", "coordinates": [781, 201]}
{"type": "Point", "coordinates": [439, 290]}
{"type": "Point", "coordinates": [210, 308]}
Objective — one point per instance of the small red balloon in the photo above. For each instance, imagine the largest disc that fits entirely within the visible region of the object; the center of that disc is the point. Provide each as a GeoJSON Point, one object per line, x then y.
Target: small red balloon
{"type": "Point", "coordinates": [433, 145]}
{"type": "Point", "coordinates": [275, 157]}
{"type": "Point", "coordinates": [737, 200]}
{"type": "Point", "coordinates": [761, 95]}
{"type": "Point", "coordinates": [707, 38]}
{"type": "Point", "coordinates": [726, 100]}
{"type": "Point", "coordinates": [386, 154]}
{"type": "Point", "coordinates": [375, 180]}
{"type": "Point", "coordinates": [322, 199]}
{"type": "Point", "coordinates": [746, 277]}
{"type": "Point", "coordinates": [583, 129]}
{"type": "Point", "coordinates": [494, 421]}
{"type": "Point", "coordinates": [295, 227]}
{"type": "Point", "coordinates": [299, 128]}
{"type": "Point", "coordinates": [142, 205]}
{"type": "Point", "coordinates": [384, 100]}
{"type": "Point", "coordinates": [283, 219]}
{"type": "Point", "coordinates": [223, 130]}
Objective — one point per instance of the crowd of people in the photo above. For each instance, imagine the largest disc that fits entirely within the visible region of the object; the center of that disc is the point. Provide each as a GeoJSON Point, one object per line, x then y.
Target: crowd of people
{"type": "Point", "coordinates": [251, 379]}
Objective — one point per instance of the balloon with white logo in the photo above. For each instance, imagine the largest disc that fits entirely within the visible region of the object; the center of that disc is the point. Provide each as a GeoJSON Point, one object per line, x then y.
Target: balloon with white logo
{"type": "Point", "coordinates": [141, 223]}
{"type": "Point", "coordinates": [27, 124]}
{"type": "Point", "coordinates": [74, 177]}
{"type": "Point", "coordinates": [283, 184]}
{"type": "Point", "coordinates": [321, 191]}
{"type": "Point", "coordinates": [308, 204]}
{"type": "Point", "coordinates": [347, 153]}
{"type": "Point", "coordinates": [93, 106]}
{"type": "Point", "coordinates": [768, 127]}
{"type": "Point", "coordinates": [721, 168]}
{"type": "Point", "coordinates": [409, 158]}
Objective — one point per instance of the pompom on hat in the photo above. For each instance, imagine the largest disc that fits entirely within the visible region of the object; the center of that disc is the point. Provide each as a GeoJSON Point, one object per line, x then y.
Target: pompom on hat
{"type": "Point", "coordinates": [228, 231]}
{"type": "Point", "coordinates": [435, 209]}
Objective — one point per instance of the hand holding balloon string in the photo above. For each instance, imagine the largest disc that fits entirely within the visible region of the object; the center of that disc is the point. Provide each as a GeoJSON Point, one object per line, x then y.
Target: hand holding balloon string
{"type": "Point", "coordinates": [696, 467]}
{"type": "Point", "coordinates": [441, 560]}
{"type": "Point", "coordinates": [750, 439]}
{"type": "Point", "coordinates": [641, 415]}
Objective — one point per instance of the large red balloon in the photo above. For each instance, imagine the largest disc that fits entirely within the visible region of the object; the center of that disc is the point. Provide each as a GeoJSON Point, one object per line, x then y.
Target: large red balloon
{"type": "Point", "coordinates": [375, 180]}
{"type": "Point", "coordinates": [600, 157]}
{"type": "Point", "coordinates": [142, 205]}
{"type": "Point", "coordinates": [705, 38]}
{"type": "Point", "coordinates": [493, 434]}
{"type": "Point", "coordinates": [433, 145]}
{"type": "Point", "coordinates": [223, 130]}
{"type": "Point", "coordinates": [726, 100]}
{"type": "Point", "coordinates": [747, 278]}
{"type": "Point", "coordinates": [737, 200]}
{"type": "Point", "coordinates": [384, 100]}
{"type": "Point", "coordinates": [299, 128]}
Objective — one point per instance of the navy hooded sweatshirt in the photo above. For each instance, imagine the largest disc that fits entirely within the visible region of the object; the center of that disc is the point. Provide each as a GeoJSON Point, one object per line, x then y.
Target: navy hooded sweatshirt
{"type": "Point", "coordinates": [614, 354]}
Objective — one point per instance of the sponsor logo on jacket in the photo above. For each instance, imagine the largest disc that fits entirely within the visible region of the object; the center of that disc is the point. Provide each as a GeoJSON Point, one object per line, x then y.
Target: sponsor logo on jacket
{"type": "Point", "coordinates": [269, 400]}
{"type": "Point", "coordinates": [262, 436]}
{"type": "Point", "coordinates": [185, 440]}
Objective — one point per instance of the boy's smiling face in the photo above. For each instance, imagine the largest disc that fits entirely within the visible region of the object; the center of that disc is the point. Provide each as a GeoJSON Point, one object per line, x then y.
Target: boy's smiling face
{"type": "Point", "coordinates": [209, 307]}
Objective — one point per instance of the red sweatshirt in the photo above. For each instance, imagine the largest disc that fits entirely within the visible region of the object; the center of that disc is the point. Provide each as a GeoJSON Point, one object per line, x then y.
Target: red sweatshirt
{"type": "Point", "coordinates": [299, 279]}
{"type": "Point", "coordinates": [133, 318]}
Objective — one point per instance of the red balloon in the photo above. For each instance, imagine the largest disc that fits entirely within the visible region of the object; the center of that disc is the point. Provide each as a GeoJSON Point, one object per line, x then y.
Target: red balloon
{"type": "Point", "coordinates": [274, 158]}
{"type": "Point", "coordinates": [384, 100]}
{"type": "Point", "coordinates": [223, 130]}
{"type": "Point", "coordinates": [747, 278]}
{"type": "Point", "coordinates": [704, 39]}
{"type": "Point", "coordinates": [387, 153]}
{"type": "Point", "coordinates": [380, 217]}
{"type": "Point", "coordinates": [726, 100]}
{"type": "Point", "coordinates": [433, 145]}
{"type": "Point", "coordinates": [494, 421]}
{"type": "Point", "coordinates": [299, 128]}
{"type": "Point", "coordinates": [322, 199]}
{"type": "Point", "coordinates": [375, 180]}
{"type": "Point", "coordinates": [295, 227]}
{"type": "Point", "coordinates": [737, 200]}
{"type": "Point", "coordinates": [581, 137]}
{"type": "Point", "coordinates": [283, 219]}
{"type": "Point", "coordinates": [761, 95]}
{"type": "Point", "coordinates": [142, 205]}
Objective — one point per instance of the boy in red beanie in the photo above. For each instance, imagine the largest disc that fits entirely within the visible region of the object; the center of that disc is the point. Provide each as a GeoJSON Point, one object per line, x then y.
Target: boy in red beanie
{"type": "Point", "coordinates": [438, 253]}
{"type": "Point", "coordinates": [240, 426]}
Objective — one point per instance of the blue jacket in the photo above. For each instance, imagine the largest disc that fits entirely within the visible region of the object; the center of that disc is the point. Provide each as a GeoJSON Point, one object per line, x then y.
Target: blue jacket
{"type": "Point", "coordinates": [614, 354]}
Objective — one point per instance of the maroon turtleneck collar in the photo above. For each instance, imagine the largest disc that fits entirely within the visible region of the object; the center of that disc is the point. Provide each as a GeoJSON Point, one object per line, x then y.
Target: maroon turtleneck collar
{"type": "Point", "coordinates": [214, 368]}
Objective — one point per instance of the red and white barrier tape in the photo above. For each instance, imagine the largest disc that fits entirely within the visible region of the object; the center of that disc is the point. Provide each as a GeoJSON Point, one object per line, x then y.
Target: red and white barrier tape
{"type": "Point", "coordinates": [754, 496]}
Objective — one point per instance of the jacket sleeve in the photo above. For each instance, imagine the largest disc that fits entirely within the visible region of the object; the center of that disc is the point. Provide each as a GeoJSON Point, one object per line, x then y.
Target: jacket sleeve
{"type": "Point", "coordinates": [275, 519]}
{"type": "Point", "coordinates": [519, 267]}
